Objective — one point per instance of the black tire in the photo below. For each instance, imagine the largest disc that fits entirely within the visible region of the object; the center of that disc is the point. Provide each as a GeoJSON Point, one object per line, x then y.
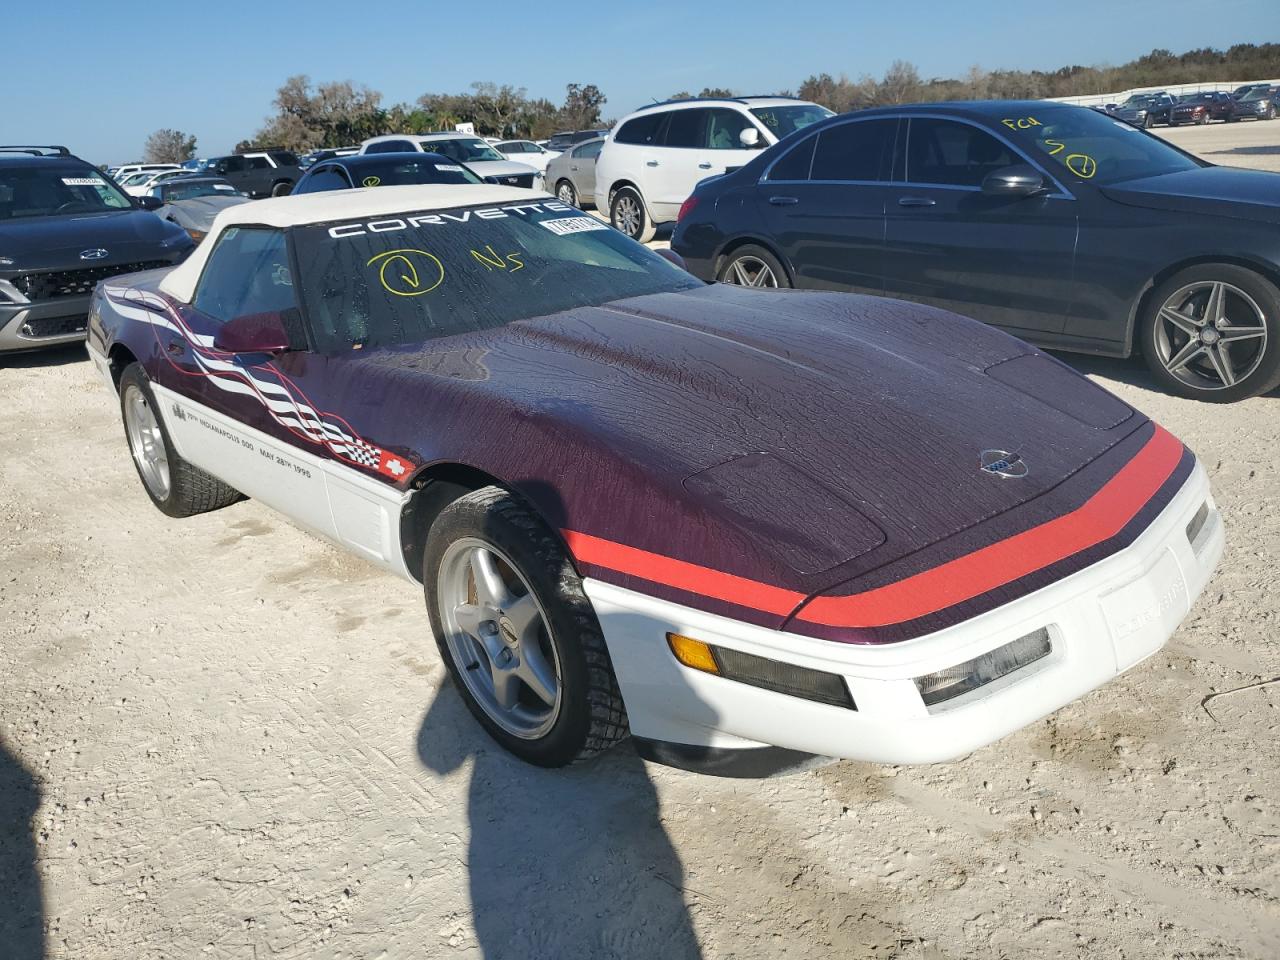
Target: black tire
{"type": "Point", "coordinates": [282, 188]}
{"type": "Point", "coordinates": [190, 489]}
{"type": "Point", "coordinates": [1148, 122]}
{"type": "Point", "coordinates": [749, 252]}
{"type": "Point", "coordinates": [1202, 119]}
{"type": "Point", "coordinates": [644, 228]}
{"type": "Point", "coordinates": [591, 715]}
{"type": "Point", "coordinates": [566, 193]}
{"type": "Point", "coordinates": [1263, 368]}
{"type": "Point", "coordinates": [1271, 113]}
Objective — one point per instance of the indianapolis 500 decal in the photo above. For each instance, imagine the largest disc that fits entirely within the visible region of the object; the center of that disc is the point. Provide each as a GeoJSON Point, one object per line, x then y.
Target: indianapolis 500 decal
{"type": "Point", "coordinates": [282, 398]}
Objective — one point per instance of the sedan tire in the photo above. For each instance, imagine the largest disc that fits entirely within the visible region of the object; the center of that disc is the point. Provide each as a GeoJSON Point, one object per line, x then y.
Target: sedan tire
{"type": "Point", "coordinates": [517, 633]}
{"type": "Point", "coordinates": [628, 214]}
{"type": "Point", "coordinates": [566, 194]}
{"type": "Point", "coordinates": [1212, 332]}
{"type": "Point", "coordinates": [753, 266]}
{"type": "Point", "coordinates": [176, 487]}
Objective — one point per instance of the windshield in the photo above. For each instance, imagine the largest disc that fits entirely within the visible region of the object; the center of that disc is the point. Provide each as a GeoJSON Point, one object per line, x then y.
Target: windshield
{"type": "Point", "coordinates": [189, 191]}
{"type": "Point", "coordinates": [134, 179]}
{"type": "Point", "coordinates": [1254, 95]}
{"type": "Point", "coordinates": [418, 277]}
{"type": "Point", "coordinates": [1195, 97]}
{"type": "Point", "coordinates": [46, 191]}
{"type": "Point", "coordinates": [784, 120]}
{"type": "Point", "coordinates": [1139, 101]}
{"type": "Point", "coordinates": [1092, 146]}
{"type": "Point", "coordinates": [394, 173]}
{"type": "Point", "coordinates": [464, 151]}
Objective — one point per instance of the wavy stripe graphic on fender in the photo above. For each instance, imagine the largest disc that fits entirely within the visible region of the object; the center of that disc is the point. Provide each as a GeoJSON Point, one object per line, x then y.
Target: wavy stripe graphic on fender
{"type": "Point", "coordinates": [264, 383]}
{"type": "Point", "coordinates": [1099, 518]}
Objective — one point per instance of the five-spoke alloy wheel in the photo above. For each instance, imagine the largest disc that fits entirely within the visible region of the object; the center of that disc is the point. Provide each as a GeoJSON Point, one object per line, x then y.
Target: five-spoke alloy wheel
{"type": "Point", "coordinates": [753, 266]}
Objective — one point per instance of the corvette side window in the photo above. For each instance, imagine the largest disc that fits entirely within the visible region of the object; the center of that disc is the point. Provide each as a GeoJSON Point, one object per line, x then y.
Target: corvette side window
{"type": "Point", "coordinates": [248, 272]}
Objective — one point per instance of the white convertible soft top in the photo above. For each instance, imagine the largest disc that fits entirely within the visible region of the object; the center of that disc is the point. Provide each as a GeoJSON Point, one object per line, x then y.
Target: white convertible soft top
{"type": "Point", "coordinates": [358, 204]}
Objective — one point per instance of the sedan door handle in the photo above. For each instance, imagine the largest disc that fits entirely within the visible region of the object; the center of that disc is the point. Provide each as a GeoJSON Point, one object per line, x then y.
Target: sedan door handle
{"type": "Point", "coordinates": [704, 165]}
{"type": "Point", "coordinates": [651, 163]}
{"type": "Point", "coordinates": [783, 201]}
{"type": "Point", "coordinates": [916, 202]}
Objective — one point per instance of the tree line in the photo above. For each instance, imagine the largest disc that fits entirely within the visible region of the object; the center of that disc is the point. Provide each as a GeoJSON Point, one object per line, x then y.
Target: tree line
{"type": "Point", "coordinates": [340, 113]}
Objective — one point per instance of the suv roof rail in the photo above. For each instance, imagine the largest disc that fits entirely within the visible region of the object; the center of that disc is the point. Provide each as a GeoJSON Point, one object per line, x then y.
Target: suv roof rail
{"type": "Point", "coordinates": [36, 150]}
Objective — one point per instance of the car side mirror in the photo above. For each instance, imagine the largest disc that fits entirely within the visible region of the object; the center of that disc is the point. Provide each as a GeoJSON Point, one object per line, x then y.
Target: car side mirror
{"type": "Point", "coordinates": [749, 138]}
{"type": "Point", "coordinates": [672, 257]}
{"type": "Point", "coordinates": [1019, 180]}
{"type": "Point", "coordinates": [253, 333]}
{"type": "Point", "coordinates": [148, 202]}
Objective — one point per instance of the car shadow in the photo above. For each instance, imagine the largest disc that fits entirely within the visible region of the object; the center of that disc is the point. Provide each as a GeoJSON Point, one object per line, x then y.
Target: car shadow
{"type": "Point", "coordinates": [21, 897]}
{"type": "Point", "coordinates": [562, 863]}
{"type": "Point", "coordinates": [1262, 150]}
{"type": "Point", "coordinates": [47, 357]}
{"type": "Point", "coordinates": [1129, 370]}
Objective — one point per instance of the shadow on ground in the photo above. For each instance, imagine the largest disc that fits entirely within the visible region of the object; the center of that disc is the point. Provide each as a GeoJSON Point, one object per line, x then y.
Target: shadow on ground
{"type": "Point", "coordinates": [1266, 149]}
{"type": "Point", "coordinates": [49, 357]}
{"type": "Point", "coordinates": [1131, 371]}
{"type": "Point", "coordinates": [563, 863]}
{"type": "Point", "coordinates": [21, 900]}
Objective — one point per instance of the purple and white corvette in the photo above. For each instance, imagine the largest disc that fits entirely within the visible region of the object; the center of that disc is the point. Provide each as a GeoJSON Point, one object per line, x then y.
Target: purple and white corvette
{"type": "Point", "coordinates": [743, 526]}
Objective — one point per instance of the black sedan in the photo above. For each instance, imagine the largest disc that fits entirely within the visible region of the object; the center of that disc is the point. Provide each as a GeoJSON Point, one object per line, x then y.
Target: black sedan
{"type": "Point", "coordinates": [383, 170]}
{"type": "Point", "coordinates": [1144, 110]}
{"type": "Point", "coordinates": [1060, 224]}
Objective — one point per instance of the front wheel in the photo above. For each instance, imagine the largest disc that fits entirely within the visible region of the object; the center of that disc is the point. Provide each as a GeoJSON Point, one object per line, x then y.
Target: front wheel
{"type": "Point", "coordinates": [1212, 332]}
{"type": "Point", "coordinates": [175, 486]}
{"type": "Point", "coordinates": [753, 266]}
{"type": "Point", "coordinates": [1148, 122]}
{"type": "Point", "coordinates": [566, 194]}
{"type": "Point", "coordinates": [628, 214]}
{"type": "Point", "coordinates": [282, 189]}
{"type": "Point", "coordinates": [517, 633]}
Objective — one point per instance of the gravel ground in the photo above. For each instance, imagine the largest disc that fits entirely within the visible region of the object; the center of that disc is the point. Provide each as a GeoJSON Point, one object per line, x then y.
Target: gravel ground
{"type": "Point", "coordinates": [230, 740]}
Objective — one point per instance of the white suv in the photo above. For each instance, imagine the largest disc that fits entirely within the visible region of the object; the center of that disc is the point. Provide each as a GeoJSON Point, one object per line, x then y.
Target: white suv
{"type": "Point", "coordinates": [653, 158]}
{"type": "Point", "coordinates": [466, 148]}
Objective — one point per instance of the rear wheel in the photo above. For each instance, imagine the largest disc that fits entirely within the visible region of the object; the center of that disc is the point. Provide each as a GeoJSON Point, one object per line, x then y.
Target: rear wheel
{"type": "Point", "coordinates": [1212, 332]}
{"type": "Point", "coordinates": [753, 266]}
{"type": "Point", "coordinates": [175, 486]}
{"type": "Point", "coordinates": [282, 188]}
{"type": "Point", "coordinates": [517, 633]}
{"type": "Point", "coordinates": [628, 214]}
{"type": "Point", "coordinates": [566, 194]}
{"type": "Point", "coordinates": [1148, 122]}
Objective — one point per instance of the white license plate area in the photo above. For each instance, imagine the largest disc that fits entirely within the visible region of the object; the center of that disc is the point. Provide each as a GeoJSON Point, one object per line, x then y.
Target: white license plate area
{"type": "Point", "coordinates": [1143, 613]}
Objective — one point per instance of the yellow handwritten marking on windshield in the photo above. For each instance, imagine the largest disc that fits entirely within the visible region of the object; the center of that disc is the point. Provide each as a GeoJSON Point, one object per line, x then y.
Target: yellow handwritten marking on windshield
{"type": "Point", "coordinates": [371, 181]}
{"type": "Point", "coordinates": [1022, 123]}
{"type": "Point", "coordinates": [398, 271]}
{"type": "Point", "coordinates": [496, 262]}
{"type": "Point", "coordinates": [1082, 165]}
{"type": "Point", "coordinates": [1058, 146]}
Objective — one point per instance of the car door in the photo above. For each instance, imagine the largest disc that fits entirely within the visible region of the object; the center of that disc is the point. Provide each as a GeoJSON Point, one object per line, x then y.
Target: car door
{"type": "Point", "coordinates": [1005, 261]}
{"type": "Point", "coordinates": [236, 170]}
{"type": "Point", "coordinates": [823, 205]}
{"type": "Point", "coordinates": [582, 168]}
{"type": "Point", "coordinates": [670, 169]}
{"type": "Point", "coordinates": [239, 416]}
{"type": "Point", "coordinates": [261, 173]}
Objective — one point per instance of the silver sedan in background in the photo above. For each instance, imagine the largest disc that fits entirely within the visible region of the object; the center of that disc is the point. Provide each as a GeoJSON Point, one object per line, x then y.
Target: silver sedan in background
{"type": "Point", "coordinates": [571, 176]}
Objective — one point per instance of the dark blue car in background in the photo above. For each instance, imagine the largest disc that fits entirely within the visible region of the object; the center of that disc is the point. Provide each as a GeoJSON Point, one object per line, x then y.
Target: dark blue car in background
{"type": "Point", "coordinates": [1062, 225]}
{"type": "Point", "coordinates": [383, 170]}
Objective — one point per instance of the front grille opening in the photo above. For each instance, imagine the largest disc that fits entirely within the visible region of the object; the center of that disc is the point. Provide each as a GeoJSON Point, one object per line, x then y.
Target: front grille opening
{"type": "Point", "coordinates": [1196, 526]}
{"type": "Point", "coordinates": [76, 283]}
{"type": "Point", "coordinates": [54, 326]}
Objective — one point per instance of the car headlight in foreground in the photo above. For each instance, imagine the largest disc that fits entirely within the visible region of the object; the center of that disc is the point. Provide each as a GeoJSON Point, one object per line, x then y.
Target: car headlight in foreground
{"type": "Point", "coordinates": [762, 672]}
{"type": "Point", "coordinates": [952, 682]}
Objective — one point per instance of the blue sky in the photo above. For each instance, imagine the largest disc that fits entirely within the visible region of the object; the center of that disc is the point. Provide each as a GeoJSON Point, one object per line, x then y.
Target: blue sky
{"type": "Point", "coordinates": [100, 77]}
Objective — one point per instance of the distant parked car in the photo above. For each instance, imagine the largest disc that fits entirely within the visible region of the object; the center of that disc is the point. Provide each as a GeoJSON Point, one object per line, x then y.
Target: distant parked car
{"type": "Point", "coordinates": [526, 151]}
{"type": "Point", "coordinates": [383, 170]}
{"type": "Point", "coordinates": [567, 138]}
{"type": "Point", "coordinates": [140, 184]}
{"type": "Point", "coordinates": [1145, 109]}
{"type": "Point", "coordinates": [654, 157]}
{"type": "Point", "coordinates": [465, 148]}
{"type": "Point", "coordinates": [1201, 108]}
{"type": "Point", "coordinates": [1241, 91]}
{"type": "Point", "coordinates": [308, 160]}
{"type": "Point", "coordinates": [1258, 103]}
{"type": "Point", "coordinates": [268, 173]}
{"type": "Point", "coordinates": [571, 175]}
{"type": "Point", "coordinates": [192, 202]}
{"type": "Point", "coordinates": [1053, 222]}
{"type": "Point", "coordinates": [128, 169]}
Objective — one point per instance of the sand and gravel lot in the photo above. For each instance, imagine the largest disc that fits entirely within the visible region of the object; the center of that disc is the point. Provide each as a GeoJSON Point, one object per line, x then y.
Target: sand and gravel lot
{"type": "Point", "coordinates": [222, 738]}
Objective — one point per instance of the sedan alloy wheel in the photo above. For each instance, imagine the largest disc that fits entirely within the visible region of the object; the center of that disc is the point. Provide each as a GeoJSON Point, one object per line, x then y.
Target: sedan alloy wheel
{"type": "Point", "coordinates": [1211, 335]}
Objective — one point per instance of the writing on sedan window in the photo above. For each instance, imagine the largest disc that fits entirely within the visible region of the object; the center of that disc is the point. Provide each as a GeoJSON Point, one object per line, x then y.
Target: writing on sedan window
{"type": "Point", "coordinates": [408, 272]}
{"type": "Point", "coordinates": [392, 224]}
{"type": "Point", "coordinates": [1081, 164]}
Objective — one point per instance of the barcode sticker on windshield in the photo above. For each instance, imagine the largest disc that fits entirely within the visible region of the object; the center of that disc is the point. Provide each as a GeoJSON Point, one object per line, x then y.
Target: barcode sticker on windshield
{"type": "Point", "coordinates": [451, 167]}
{"type": "Point", "coordinates": [223, 186]}
{"type": "Point", "coordinates": [82, 182]}
{"type": "Point", "coordinates": [567, 225]}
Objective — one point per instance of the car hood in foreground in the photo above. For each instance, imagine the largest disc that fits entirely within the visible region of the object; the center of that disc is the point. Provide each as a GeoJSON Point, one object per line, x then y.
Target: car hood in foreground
{"type": "Point", "coordinates": [198, 212]}
{"type": "Point", "coordinates": [499, 168]}
{"type": "Point", "coordinates": [55, 243]}
{"type": "Point", "coordinates": [1213, 191]}
{"type": "Point", "coordinates": [794, 439]}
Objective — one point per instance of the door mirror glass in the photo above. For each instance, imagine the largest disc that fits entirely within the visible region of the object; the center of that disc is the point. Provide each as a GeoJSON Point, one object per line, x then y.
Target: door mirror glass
{"type": "Point", "coordinates": [148, 202]}
{"type": "Point", "coordinates": [749, 137]}
{"type": "Point", "coordinates": [253, 333]}
{"type": "Point", "coordinates": [1019, 180]}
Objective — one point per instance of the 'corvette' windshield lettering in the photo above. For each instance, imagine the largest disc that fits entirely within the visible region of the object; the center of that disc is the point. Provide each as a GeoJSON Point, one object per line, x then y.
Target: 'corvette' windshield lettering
{"type": "Point", "coordinates": [443, 219]}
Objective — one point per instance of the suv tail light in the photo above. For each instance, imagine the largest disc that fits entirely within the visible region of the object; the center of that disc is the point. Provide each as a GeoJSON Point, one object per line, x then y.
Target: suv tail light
{"type": "Point", "coordinates": [686, 208]}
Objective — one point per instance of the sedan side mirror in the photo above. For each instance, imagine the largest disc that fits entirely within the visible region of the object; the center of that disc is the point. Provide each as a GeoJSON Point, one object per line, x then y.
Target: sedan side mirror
{"type": "Point", "coordinates": [749, 138]}
{"type": "Point", "coordinates": [148, 202]}
{"type": "Point", "coordinates": [1019, 180]}
{"type": "Point", "coordinates": [253, 333]}
{"type": "Point", "coordinates": [672, 257]}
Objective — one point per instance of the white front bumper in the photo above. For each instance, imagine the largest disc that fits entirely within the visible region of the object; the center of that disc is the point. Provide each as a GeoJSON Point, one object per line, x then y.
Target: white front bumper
{"type": "Point", "coordinates": [1102, 621]}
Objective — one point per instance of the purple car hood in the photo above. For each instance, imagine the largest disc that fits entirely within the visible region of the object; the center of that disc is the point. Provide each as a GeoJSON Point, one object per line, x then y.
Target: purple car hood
{"type": "Point", "coordinates": [791, 438]}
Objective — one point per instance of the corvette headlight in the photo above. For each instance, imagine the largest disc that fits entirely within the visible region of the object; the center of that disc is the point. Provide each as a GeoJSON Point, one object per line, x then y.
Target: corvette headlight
{"type": "Point", "coordinates": [951, 682]}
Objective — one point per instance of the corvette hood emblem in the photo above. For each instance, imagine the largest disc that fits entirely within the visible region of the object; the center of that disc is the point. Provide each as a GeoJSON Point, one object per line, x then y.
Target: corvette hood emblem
{"type": "Point", "coordinates": [1002, 463]}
